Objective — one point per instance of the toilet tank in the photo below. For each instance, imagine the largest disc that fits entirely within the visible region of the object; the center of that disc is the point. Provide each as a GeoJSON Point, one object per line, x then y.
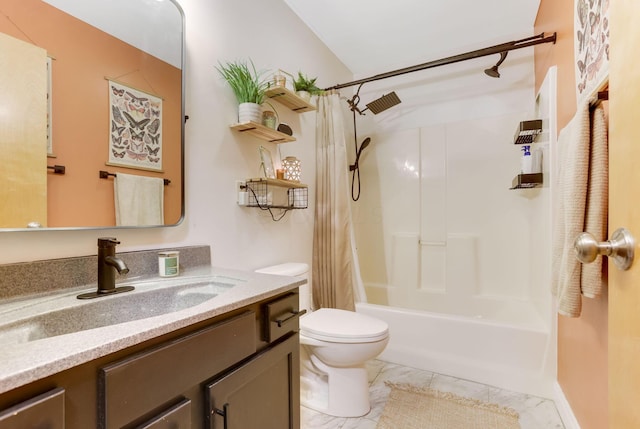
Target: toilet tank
{"type": "Point", "coordinates": [294, 269]}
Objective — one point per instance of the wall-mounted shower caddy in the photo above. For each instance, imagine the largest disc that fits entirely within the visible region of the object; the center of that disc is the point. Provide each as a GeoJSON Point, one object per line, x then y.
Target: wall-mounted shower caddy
{"type": "Point", "coordinates": [526, 134]}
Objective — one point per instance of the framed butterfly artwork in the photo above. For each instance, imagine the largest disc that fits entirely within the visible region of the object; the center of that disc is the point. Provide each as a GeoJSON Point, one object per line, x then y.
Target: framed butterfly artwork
{"type": "Point", "coordinates": [135, 121]}
{"type": "Point", "coordinates": [591, 46]}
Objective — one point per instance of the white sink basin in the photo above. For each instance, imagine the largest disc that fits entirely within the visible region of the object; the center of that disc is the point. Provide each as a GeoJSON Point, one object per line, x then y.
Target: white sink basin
{"type": "Point", "coordinates": [66, 314]}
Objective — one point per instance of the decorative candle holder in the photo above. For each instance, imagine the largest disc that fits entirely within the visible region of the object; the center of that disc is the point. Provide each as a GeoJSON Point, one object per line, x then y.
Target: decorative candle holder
{"type": "Point", "coordinates": [292, 168]}
{"type": "Point", "coordinates": [269, 119]}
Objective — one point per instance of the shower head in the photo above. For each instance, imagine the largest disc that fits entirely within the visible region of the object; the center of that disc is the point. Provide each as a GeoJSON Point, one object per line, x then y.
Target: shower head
{"type": "Point", "coordinates": [383, 103]}
{"type": "Point", "coordinates": [364, 144]}
{"type": "Point", "coordinates": [493, 71]}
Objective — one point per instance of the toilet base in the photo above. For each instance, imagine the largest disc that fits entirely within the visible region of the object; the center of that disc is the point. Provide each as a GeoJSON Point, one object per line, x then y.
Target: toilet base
{"type": "Point", "coordinates": [339, 392]}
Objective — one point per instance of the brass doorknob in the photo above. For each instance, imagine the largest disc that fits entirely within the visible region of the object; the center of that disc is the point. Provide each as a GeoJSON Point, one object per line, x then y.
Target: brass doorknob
{"type": "Point", "coordinates": [620, 247]}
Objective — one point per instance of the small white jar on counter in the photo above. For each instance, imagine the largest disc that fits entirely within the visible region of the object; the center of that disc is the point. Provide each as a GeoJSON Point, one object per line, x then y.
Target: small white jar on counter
{"type": "Point", "coordinates": [168, 263]}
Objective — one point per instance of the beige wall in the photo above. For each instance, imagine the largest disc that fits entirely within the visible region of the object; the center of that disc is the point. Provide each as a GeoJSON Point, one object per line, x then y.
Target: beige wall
{"type": "Point", "coordinates": [582, 342]}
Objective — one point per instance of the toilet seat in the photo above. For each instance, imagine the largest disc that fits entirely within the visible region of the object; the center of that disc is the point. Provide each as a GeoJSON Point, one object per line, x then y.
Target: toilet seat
{"type": "Point", "coordinates": [342, 326]}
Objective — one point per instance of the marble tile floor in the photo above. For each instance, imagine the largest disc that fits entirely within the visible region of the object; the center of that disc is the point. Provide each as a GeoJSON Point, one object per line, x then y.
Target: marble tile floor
{"type": "Point", "coordinates": [535, 412]}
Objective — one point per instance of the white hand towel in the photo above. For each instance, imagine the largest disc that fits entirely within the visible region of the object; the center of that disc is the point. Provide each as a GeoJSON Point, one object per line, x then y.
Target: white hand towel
{"type": "Point", "coordinates": [597, 201]}
{"type": "Point", "coordinates": [139, 200]}
{"type": "Point", "coordinates": [570, 194]}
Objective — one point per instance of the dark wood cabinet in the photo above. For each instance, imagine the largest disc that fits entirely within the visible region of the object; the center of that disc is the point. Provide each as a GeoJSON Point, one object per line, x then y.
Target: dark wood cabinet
{"type": "Point", "coordinates": [176, 417]}
{"type": "Point", "coordinates": [136, 385]}
{"type": "Point", "coordinates": [262, 393]}
{"type": "Point", "coordinates": [244, 359]}
{"type": "Point", "coordinates": [45, 411]}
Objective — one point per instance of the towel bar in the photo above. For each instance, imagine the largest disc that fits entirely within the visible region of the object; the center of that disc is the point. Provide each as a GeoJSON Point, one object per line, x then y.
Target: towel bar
{"type": "Point", "coordinates": [106, 174]}
{"type": "Point", "coordinates": [57, 169]}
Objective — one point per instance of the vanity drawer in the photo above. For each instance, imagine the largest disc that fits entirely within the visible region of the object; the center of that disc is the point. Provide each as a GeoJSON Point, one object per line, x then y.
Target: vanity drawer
{"type": "Point", "coordinates": [44, 411]}
{"type": "Point", "coordinates": [138, 384]}
{"type": "Point", "coordinates": [281, 317]}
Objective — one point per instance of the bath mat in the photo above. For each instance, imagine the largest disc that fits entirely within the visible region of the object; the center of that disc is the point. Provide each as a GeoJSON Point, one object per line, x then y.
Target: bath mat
{"type": "Point", "coordinates": [412, 407]}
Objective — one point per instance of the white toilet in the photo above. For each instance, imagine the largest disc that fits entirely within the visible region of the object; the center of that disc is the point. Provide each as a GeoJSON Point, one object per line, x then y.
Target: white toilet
{"type": "Point", "coordinates": [335, 344]}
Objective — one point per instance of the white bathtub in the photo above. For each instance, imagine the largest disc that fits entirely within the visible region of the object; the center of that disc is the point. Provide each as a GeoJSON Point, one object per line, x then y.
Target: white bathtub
{"type": "Point", "coordinates": [518, 357]}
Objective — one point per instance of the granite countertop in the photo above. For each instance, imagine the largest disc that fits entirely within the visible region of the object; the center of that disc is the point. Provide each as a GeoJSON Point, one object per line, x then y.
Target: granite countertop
{"type": "Point", "coordinates": [24, 362]}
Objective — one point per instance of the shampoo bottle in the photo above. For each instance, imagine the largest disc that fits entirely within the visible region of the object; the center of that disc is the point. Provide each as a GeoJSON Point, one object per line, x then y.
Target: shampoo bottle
{"type": "Point", "coordinates": [526, 165]}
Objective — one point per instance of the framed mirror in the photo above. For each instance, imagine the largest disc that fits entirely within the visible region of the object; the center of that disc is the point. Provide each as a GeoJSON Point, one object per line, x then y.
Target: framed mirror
{"type": "Point", "coordinates": [91, 114]}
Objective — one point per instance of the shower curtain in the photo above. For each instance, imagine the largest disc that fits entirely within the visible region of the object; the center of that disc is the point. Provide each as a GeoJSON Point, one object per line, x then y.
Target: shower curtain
{"type": "Point", "coordinates": [335, 266]}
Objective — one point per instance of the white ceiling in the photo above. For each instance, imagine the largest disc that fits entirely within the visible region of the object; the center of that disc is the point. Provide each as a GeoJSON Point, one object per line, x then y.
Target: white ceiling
{"type": "Point", "coordinates": [374, 36]}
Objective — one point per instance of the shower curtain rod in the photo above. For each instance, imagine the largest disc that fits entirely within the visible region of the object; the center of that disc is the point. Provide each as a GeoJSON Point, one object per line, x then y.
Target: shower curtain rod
{"type": "Point", "coordinates": [503, 47]}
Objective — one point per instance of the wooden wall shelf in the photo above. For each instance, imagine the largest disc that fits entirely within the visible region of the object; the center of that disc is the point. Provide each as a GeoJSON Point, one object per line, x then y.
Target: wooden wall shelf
{"type": "Point", "coordinates": [293, 195]}
{"type": "Point", "coordinates": [289, 99]}
{"type": "Point", "coordinates": [278, 182]}
{"type": "Point", "coordinates": [262, 132]}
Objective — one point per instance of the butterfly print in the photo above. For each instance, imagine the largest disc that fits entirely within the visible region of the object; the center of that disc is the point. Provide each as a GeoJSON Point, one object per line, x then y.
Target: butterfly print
{"type": "Point", "coordinates": [133, 108]}
{"type": "Point", "coordinates": [137, 100]}
{"type": "Point", "coordinates": [155, 112]}
{"type": "Point", "coordinates": [116, 140]}
{"type": "Point", "coordinates": [135, 155]}
{"type": "Point", "coordinates": [116, 128]}
{"type": "Point", "coordinates": [117, 91]}
{"type": "Point", "coordinates": [153, 126]}
{"type": "Point", "coordinates": [153, 151]}
{"type": "Point", "coordinates": [117, 116]}
{"type": "Point", "coordinates": [118, 154]}
{"type": "Point", "coordinates": [138, 137]}
{"type": "Point", "coordinates": [154, 139]}
{"type": "Point", "coordinates": [136, 124]}
{"type": "Point", "coordinates": [152, 159]}
{"type": "Point", "coordinates": [121, 104]}
{"type": "Point", "coordinates": [137, 147]}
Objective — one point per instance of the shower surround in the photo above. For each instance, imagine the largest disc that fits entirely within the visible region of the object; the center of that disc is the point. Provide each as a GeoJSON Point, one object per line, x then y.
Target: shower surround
{"type": "Point", "coordinates": [455, 261]}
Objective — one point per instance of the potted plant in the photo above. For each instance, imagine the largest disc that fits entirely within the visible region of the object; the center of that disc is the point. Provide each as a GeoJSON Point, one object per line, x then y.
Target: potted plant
{"type": "Point", "coordinates": [248, 86]}
{"type": "Point", "coordinates": [306, 87]}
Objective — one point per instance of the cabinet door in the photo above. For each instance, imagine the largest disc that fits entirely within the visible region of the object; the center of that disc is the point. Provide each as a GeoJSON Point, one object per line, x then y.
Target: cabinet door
{"type": "Point", "coordinates": [264, 393]}
{"type": "Point", "coordinates": [138, 384]}
{"type": "Point", "coordinates": [178, 416]}
{"type": "Point", "coordinates": [44, 411]}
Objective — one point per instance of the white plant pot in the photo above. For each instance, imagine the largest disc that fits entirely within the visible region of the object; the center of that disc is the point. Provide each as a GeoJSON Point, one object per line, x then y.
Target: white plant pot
{"type": "Point", "coordinates": [305, 95]}
{"type": "Point", "coordinates": [249, 112]}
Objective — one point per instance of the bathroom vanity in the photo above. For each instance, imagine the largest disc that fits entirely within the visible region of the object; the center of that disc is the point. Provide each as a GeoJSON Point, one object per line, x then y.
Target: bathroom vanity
{"type": "Point", "coordinates": [229, 362]}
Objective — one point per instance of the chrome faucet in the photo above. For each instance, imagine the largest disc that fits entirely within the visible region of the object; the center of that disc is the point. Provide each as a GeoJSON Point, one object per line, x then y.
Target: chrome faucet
{"type": "Point", "coordinates": [108, 263]}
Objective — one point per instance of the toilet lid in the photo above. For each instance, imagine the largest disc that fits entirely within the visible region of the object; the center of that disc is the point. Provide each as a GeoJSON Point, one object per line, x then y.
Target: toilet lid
{"type": "Point", "coordinates": [342, 326]}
